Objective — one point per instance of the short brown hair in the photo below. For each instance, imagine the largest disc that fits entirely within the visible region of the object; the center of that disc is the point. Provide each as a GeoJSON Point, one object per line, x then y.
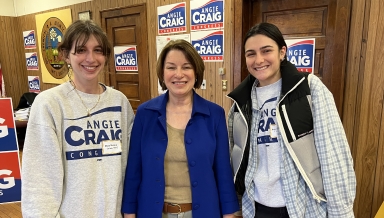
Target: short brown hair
{"type": "Point", "coordinates": [190, 54]}
{"type": "Point", "coordinates": [79, 32]}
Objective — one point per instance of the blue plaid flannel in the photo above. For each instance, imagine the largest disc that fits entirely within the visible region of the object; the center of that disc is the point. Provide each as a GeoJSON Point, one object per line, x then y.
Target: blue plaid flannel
{"type": "Point", "coordinates": [335, 159]}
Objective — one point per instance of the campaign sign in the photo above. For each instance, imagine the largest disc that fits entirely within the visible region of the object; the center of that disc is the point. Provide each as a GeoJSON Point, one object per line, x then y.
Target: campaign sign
{"type": "Point", "coordinates": [207, 14]}
{"type": "Point", "coordinates": [171, 18]}
{"type": "Point", "coordinates": [31, 59]}
{"type": "Point", "coordinates": [34, 84]}
{"type": "Point", "coordinates": [125, 58]}
{"type": "Point", "coordinates": [29, 39]}
{"type": "Point", "coordinates": [301, 53]}
{"type": "Point", "coordinates": [10, 178]}
{"type": "Point", "coordinates": [8, 141]}
{"type": "Point", "coordinates": [209, 44]}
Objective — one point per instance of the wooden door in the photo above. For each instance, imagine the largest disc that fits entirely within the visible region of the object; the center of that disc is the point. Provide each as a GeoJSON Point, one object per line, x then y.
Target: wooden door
{"type": "Point", "coordinates": [325, 20]}
{"type": "Point", "coordinates": [128, 26]}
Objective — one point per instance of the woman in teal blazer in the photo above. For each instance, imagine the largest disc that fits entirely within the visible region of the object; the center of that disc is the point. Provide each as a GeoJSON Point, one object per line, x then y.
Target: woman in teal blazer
{"type": "Point", "coordinates": [205, 140]}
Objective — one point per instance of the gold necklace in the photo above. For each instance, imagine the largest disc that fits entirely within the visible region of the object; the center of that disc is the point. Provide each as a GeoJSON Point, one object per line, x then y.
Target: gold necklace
{"type": "Point", "coordinates": [88, 110]}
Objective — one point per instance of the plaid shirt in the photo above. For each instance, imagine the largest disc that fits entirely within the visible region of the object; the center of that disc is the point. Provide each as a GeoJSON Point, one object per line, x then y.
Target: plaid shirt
{"type": "Point", "coordinates": [335, 159]}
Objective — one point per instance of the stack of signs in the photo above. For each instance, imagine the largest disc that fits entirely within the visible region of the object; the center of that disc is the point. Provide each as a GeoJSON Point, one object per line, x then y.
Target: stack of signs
{"type": "Point", "coordinates": [207, 23]}
{"type": "Point", "coordinates": [10, 178]}
{"type": "Point", "coordinates": [301, 53]}
{"type": "Point", "coordinates": [171, 18]}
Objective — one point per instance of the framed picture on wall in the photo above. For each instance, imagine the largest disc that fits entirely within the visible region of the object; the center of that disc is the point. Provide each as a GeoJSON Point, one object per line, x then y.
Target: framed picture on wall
{"type": "Point", "coordinates": [85, 15]}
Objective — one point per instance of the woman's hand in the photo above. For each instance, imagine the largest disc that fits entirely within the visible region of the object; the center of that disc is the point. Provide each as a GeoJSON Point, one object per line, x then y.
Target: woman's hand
{"type": "Point", "coordinates": [132, 215]}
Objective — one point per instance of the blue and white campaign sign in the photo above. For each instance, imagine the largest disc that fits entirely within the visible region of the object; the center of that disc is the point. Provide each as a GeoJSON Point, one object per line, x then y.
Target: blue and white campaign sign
{"type": "Point", "coordinates": [207, 14]}
{"type": "Point", "coordinates": [171, 18]}
{"type": "Point", "coordinates": [31, 60]}
{"type": "Point", "coordinates": [126, 58]}
{"type": "Point", "coordinates": [29, 39]}
{"type": "Point", "coordinates": [209, 44]}
{"type": "Point", "coordinates": [34, 84]}
{"type": "Point", "coordinates": [301, 53]}
{"type": "Point", "coordinates": [10, 177]}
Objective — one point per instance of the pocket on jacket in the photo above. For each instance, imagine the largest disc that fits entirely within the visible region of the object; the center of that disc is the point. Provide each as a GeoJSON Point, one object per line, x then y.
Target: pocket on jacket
{"type": "Point", "coordinates": [306, 153]}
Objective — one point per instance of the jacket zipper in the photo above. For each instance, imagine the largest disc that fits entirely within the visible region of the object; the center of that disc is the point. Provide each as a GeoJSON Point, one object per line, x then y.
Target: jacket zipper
{"type": "Point", "coordinates": [288, 123]}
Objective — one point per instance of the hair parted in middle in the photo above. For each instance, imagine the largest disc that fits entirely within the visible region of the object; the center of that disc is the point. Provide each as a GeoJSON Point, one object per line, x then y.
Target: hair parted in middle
{"type": "Point", "coordinates": [190, 54]}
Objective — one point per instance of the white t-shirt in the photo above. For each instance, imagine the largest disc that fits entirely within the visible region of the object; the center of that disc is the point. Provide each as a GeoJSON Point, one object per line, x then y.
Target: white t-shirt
{"type": "Point", "coordinates": [268, 188]}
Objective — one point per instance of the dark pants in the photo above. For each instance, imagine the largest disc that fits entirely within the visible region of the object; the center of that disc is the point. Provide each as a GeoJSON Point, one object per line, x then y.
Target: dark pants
{"type": "Point", "coordinates": [270, 212]}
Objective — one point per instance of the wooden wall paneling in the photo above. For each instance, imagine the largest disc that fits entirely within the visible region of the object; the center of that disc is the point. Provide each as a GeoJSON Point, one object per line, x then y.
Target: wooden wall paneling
{"type": "Point", "coordinates": [371, 108]}
{"type": "Point", "coordinates": [228, 56]}
{"type": "Point", "coordinates": [237, 43]}
{"type": "Point", "coordinates": [216, 95]}
{"type": "Point", "coordinates": [338, 34]}
{"type": "Point", "coordinates": [354, 81]}
{"type": "Point", "coordinates": [19, 66]}
{"type": "Point", "coordinates": [378, 189]}
{"type": "Point", "coordinates": [28, 22]}
{"type": "Point", "coordinates": [103, 5]}
{"type": "Point", "coordinates": [359, 114]}
{"type": "Point", "coordinates": [355, 66]}
{"type": "Point", "coordinates": [152, 33]}
{"type": "Point", "coordinates": [15, 37]}
{"type": "Point", "coordinates": [358, 36]}
{"type": "Point", "coordinates": [12, 59]}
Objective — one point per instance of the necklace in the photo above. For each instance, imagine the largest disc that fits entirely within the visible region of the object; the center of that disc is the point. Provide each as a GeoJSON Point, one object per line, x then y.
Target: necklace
{"type": "Point", "coordinates": [88, 109]}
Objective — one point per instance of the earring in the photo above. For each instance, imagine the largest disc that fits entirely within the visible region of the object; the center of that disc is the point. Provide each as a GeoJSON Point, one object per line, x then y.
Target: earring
{"type": "Point", "coordinates": [69, 66]}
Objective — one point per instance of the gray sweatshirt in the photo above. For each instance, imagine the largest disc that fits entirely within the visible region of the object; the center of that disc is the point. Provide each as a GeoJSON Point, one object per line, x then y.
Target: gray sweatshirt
{"type": "Point", "coordinates": [74, 165]}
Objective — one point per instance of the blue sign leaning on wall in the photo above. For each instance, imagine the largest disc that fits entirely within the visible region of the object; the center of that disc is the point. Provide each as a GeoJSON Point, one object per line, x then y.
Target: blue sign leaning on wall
{"type": "Point", "coordinates": [10, 177]}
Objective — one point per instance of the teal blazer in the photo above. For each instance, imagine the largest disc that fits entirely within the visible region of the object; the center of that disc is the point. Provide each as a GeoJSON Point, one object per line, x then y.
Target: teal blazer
{"type": "Point", "coordinates": [207, 148]}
